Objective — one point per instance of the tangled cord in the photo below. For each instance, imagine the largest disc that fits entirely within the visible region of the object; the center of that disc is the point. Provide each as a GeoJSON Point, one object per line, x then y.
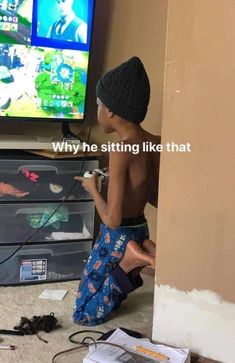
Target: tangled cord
{"type": "Point", "coordinates": [95, 343]}
{"type": "Point", "coordinates": [32, 326]}
{"type": "Point", "coordinates": [83, 344]}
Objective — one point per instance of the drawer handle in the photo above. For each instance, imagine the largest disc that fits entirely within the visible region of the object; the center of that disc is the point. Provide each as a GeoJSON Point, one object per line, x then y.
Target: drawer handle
{"type": "Point", "coordinates": [49, 252]}
{"type": "Point", "coordinates": [32, 251]}
{"type": "Point", "coordinates": [39, 168]}
{"type": "Point", "coordinates": [30, 210]}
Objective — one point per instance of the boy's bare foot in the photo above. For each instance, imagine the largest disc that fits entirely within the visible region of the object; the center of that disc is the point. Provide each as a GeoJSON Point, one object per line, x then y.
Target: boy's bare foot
{"type": "Point", "coordinates": [135, 257]}
{"type": "Point", "coordinates": [149, 246]}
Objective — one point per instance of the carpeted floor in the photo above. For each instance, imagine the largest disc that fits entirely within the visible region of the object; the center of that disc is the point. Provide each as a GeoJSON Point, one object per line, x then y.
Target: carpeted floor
{"type": "Point", "coordinates": [135, 313]}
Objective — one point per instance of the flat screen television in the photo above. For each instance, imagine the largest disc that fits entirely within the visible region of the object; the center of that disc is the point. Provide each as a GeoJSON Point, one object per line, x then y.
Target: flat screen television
{"type": "Point", "coordinates": [44, 58]}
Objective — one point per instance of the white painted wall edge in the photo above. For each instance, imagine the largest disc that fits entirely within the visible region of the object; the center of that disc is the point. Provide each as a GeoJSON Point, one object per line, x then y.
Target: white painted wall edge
{"type": "Point", "coordinates": [198, 320]}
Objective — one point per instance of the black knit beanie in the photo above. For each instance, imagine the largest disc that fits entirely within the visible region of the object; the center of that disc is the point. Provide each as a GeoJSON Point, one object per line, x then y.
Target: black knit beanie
{"type": "Point", "coordinates": [125, 90]}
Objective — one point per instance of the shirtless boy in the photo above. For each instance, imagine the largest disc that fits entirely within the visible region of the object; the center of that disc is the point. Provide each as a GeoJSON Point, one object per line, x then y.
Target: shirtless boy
{"type": "Point", "coordinates": [122, 247]}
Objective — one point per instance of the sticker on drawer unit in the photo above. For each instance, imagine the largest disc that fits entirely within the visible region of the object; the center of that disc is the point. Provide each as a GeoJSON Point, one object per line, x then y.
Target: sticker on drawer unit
{"type": "Point", "coordinates": [33, 270]}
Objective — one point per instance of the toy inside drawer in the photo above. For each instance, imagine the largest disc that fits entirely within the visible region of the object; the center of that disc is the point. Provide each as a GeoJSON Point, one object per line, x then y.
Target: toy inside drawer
{"type": "Point", "coordinates": [43, 179]}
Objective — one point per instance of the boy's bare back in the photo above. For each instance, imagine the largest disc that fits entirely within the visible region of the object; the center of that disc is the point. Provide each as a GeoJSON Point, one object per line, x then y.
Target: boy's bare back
{"type": "Point", "coordinates": [139, 172]}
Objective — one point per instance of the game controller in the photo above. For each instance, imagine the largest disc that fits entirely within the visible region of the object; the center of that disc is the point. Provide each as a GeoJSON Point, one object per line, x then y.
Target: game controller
{"type": "Point", "coordinates": [101, 173]}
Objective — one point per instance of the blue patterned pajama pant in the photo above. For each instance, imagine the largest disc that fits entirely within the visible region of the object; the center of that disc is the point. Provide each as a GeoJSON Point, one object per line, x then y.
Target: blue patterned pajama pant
{"type": "Point", "coordinates": [104, 285]}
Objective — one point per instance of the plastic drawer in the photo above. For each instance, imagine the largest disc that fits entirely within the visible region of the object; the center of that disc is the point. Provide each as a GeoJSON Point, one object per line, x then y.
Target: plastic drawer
{"type": "Point", "coordinates": [72, 221]}
{"type": "Point", "coordinates": [42, 179]}
{"type": "Point", "coordinates": [40, 263]}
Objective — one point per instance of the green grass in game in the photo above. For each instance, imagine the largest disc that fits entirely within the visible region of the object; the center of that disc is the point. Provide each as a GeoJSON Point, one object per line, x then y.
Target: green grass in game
{"type": "Point", "coordinates": [4, 38]}
{"type": "Point", "coordinates": [24, 21]}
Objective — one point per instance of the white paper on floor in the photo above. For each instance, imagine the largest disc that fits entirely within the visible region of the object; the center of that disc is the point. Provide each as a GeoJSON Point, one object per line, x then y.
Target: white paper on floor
{"type": "Point", "coordinates": [53, 294]}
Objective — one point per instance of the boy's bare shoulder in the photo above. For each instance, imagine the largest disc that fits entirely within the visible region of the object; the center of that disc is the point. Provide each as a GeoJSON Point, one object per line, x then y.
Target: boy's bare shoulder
{"type": "Point", "coordinates": [156, 139]}
{"type": "Point", "coordinates": [118, 159]}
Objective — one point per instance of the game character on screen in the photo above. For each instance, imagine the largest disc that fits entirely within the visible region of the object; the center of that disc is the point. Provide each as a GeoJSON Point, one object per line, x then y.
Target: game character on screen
{"type": "Point", "coordinates": [122, 248]}
{"type": "Point", "coordinates": [69, 27]}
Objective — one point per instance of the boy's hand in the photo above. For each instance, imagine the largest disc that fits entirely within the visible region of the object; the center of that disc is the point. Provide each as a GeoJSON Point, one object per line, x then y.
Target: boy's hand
{"type": "Point", "coordinates": [89, 184]}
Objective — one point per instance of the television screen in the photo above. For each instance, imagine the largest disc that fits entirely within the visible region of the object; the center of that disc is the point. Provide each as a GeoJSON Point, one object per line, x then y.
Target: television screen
{"type": "Point", "coordinates": [44, 56]}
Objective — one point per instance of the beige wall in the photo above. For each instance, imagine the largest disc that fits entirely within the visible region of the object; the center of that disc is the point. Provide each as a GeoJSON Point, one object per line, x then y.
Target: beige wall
{"type": "Point", "coordinates": [197, 201]}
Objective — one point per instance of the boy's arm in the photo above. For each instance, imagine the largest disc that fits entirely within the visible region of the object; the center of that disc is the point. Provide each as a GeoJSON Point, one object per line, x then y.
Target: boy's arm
{"type": "Point", "coordinates": [110, 212]}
